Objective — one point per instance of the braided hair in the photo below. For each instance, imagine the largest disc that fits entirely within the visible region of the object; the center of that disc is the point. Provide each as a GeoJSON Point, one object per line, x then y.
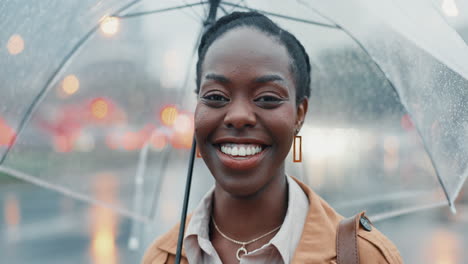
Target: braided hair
{"type": "Point", "coordinates": [300, 65]}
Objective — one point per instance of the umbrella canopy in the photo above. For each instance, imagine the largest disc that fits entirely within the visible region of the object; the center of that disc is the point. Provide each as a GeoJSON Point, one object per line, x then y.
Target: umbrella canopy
{"type": "Point", "coordinates": [97, 102]}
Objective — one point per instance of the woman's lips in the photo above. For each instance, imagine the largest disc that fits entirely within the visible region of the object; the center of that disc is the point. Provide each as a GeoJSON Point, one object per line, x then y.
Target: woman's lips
{"type": "Point", "coordinates": [241, 161]}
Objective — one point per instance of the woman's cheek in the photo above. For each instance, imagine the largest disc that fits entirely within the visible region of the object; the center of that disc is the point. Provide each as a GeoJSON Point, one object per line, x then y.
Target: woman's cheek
{"type": "Point", "coordinates": [205, 122]}
{"type": "Point", "coordinates": [284, 126]}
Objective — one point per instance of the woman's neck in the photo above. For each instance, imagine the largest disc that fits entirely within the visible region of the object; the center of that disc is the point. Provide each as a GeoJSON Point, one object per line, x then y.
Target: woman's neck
{"type": "Point", "coordinates": [245, 218]}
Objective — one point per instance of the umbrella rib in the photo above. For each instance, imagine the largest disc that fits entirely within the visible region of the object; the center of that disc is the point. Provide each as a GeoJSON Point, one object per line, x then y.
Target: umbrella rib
{"type": "Point", "coordinates": [429, 153]}
{"type": "Point", "coordinates": [67, 192]}
{"type": "Point", "coordinates": [144, 13]}
{"type": "Point", "coordinates": [223, 9]}
{"type": "Point", "coordinates": [46, 88]}
{"type": "Point", "coordinates": [385, 216]}
{"type": "Point", "coordinates": [436, 169]}
{"type": "Point", "coordinates": [282, 16]}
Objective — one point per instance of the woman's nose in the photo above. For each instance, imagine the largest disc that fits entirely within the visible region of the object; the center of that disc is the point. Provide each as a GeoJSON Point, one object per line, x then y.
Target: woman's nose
{"type": "Point", "coordinates": [240, 114]}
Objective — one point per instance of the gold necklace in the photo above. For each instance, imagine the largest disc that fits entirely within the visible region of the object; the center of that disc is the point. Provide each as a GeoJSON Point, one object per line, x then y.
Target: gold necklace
{"type": "Point", "coordinates": [242, 249]}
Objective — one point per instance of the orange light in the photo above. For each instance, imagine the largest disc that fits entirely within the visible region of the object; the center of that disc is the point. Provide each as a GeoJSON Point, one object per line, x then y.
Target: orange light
{"type": "Point", "coordinates": [183, 131]}
{"type": "Point", "coordinates": [110, 25]}
{"type": "Point", "coordinates": [131, 141]}
{"type": "Point", "coordinates": [443, 247]}
{"type": "Point", "coordinates": [12, 211]}
{"type": "Point", "coordinates": [62, 144]}
{"type": "Point", "coordinates": [182, 140]}
{"type": "Point", "coordinates": [169, 115]}
{"type": "Point", "coordinates": [158, 140]}
{"type": "Point", "coordinates": [15, 44]}
{"type": "Point", "coordinates": [70, 84]}
{"type": "Point", "coordinates": [7, 134]}
{"type": "Point", "coordinates": [104, 246]}
{"type": "Point", "coordinates": [99, 108]}
{"type": "Point", "coordinates": [104, 221]}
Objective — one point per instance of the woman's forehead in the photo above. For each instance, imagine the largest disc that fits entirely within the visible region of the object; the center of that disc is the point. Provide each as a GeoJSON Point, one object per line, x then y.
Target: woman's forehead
{"type": "Point", "coordinates": [246, 49]}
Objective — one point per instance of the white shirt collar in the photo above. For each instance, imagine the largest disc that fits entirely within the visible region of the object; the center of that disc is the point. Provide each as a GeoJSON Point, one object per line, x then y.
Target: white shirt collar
{"type": "Point", "coordinates": [285, 241]}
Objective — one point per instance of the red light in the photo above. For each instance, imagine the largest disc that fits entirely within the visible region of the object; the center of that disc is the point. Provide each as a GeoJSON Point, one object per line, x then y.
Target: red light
{"type": "Point", "coordinates": [7, 134]}
{"type": "Point", "coordinates": [406, 122]}
{"type": "Point", "coordinates": [131, 141]}
{"type": "Point", "coordinates": [158, 140]}
{"type": "Point", "coordinates": [62, 144]}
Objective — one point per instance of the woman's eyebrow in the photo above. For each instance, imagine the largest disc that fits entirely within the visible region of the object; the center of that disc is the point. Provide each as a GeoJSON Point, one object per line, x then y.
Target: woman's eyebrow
{"type": "Point", "coordinates": [269, 78]}
{"type": "Point", "coordinates": [217, 78]}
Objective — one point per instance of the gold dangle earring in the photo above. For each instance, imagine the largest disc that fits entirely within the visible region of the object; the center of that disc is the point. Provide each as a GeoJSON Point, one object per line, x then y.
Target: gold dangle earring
{"type": "Point", "coordinates": [297, 155]}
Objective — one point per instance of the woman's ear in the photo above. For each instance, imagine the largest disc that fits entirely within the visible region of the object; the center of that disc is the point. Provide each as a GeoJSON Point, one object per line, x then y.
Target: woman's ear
{"type": "Point", "coordinates": [301, 112]}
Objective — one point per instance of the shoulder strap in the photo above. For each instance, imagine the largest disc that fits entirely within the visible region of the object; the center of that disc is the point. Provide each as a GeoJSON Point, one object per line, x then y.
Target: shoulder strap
{"type": "Point", "coordinates": [346, 241]}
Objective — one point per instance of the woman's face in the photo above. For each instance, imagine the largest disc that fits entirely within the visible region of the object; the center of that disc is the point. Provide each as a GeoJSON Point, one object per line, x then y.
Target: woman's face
{"type": "Point", "coordinates": [246, 114]}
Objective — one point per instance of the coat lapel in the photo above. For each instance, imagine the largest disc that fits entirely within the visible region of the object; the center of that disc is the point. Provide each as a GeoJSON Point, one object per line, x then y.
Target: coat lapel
{"type": "Point", "coordinates": [318, 240]}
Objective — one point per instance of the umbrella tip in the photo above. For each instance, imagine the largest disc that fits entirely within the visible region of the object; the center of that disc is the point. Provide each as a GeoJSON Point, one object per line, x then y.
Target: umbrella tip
{"type": "Point", "coordinates": [453, 209]}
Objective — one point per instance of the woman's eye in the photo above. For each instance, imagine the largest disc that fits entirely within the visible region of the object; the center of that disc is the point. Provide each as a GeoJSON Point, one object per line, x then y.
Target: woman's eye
{"type": "Point", "coordinates": [215, 97]}
{"type": "Point", "coordinates": [215, 100]}
{"type": "Point", "coordinates": [268, 101]}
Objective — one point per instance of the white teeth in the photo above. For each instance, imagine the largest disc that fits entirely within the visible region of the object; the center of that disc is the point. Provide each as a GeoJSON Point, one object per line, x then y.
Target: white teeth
{"type": "Point", "coordinates": [248, 151]}
{"type": "Point", "coordinates": [240, 149]}
{"type": "Point", "coordinates": [234, 151]}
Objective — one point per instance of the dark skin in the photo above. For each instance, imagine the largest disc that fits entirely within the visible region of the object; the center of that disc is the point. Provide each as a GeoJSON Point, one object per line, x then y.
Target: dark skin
{"type": "Point", "coordinates": [247, 94]}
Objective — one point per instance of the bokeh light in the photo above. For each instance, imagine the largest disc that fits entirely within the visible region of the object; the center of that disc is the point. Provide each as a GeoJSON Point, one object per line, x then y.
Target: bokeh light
{"type": "Point", "coordinates": [70, 84]}
{"type": "Point", "coordinates": [12, 211]}
{"type": "Point", "coordinates": [104, 221]}
{"type": "Point", "coordinates": [443, 247]}
{"type": "Point", "coordinates": [7, 134]}
{"type": "Point", "coordinates": [15, 44]}
{"type": "Point", "coordinates": [99, 108]}
{"type": "Point", "coordinates": [158, 141]}
{"type": "Point", "coordinates": [183, 128]}
{"type": "Point", "coordinates": [169, 115]}
{"type": "Point", "coordinates": [183, 123]}
{"type": "Point", "coordinates": [63, 143]}
{"type": "Point", "coordinates": [110, 25]}
{"type": "Point", "coordinates": [132, 141]}
{"type": "Point", "coordinates": [406, 122]}
{"type": "Point", "coordinates": [450, 8]}
{"type": "Point", "coordinates": [84, 142]}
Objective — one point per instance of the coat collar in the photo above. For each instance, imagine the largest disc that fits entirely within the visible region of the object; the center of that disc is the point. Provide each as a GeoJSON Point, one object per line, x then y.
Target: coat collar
{"type": "Point", "coordinates": [318, 240]}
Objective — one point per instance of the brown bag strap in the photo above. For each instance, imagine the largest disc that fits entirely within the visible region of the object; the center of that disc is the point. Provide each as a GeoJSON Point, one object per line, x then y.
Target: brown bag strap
{"type": "Point", "coordinates": [347, 251]}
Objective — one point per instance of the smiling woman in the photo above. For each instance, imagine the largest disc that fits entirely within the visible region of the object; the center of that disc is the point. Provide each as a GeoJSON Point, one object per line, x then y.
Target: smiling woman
{"type": "Point", "coordinates": [253, 84]}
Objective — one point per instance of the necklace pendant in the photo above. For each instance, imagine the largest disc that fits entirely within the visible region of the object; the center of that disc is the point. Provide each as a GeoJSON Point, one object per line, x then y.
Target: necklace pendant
{"type": "Point", "coordinates": [240, 252]}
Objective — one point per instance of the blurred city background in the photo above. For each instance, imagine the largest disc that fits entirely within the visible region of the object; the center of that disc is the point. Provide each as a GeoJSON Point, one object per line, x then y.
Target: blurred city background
{"type": "Point", "coordinates": [98, 170]}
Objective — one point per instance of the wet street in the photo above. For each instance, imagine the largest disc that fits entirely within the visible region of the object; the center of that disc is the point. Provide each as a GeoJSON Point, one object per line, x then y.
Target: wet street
{"type": "Point", "coordinates": [40, 226]}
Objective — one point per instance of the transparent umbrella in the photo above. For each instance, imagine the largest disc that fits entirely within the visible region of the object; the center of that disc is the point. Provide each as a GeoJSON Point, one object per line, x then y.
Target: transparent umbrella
{"type": "Point", "coordinates": [97, 101]}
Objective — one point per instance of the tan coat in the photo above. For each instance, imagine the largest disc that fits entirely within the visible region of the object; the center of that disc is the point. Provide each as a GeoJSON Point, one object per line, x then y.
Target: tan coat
{"type": "Point", "coordinates": [317, 244]}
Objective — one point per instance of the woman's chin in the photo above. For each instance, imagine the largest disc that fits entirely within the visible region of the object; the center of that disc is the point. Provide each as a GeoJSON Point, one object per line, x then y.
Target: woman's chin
{"type": "Point", "coordinates": [241, 191]}
{"type": "Point", "coordinates": [242, 186]}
